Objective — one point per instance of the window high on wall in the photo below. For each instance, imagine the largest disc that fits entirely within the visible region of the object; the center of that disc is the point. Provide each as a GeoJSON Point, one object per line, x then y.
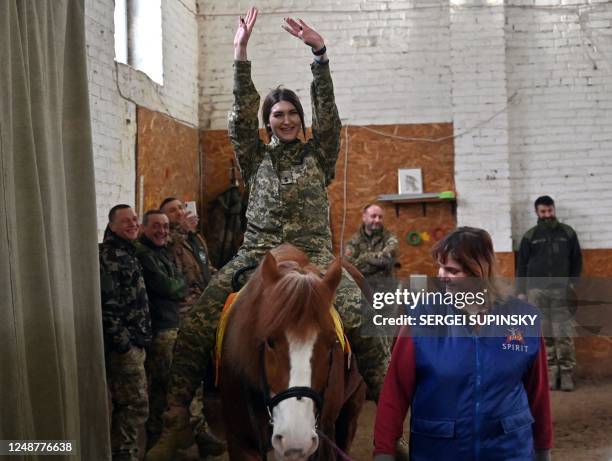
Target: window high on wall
{"type": "Point", "coordinates": [138, 36]}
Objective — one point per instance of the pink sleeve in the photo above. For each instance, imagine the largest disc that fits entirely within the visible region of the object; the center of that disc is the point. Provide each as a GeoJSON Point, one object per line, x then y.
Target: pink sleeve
{"type": "Point", "coordinates": [536, 384]}
{"type": "Point", "coordinates": [395, 396]}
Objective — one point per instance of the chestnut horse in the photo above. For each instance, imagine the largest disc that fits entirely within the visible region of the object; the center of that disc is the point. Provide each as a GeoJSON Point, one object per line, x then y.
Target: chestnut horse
{"type": "Point", "coordinates": [285, 376]}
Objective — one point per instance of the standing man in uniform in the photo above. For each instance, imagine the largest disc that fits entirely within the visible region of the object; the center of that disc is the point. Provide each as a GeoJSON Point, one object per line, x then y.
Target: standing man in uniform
{"type": "Point", "coordinates": [127, 331]}
{"type": "Point", "coordinates": [549, 259]}
{"type": "Point", "coordinates": [373, 249]}
{"type": "Point", "coordinates": [189, 252]}
{"type": "Point", "coordinates": [166, 289]}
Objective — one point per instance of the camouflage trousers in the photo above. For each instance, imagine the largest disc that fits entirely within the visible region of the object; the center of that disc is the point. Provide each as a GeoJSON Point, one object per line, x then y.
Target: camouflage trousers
{"type": "Point", "coordinates": [196, 409]}
{"type": "Point", "coordinates": [196, 336]}
{"type": "Point", "coordinates": [557, 327]}
{"type": "Point", "coordinates": [127, 383]}
{"type": "Point", "coordinates": [158, 363]}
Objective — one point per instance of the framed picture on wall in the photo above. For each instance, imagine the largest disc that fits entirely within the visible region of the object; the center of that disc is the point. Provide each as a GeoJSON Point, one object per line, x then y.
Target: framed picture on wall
{"type": "Point", "coordinates": [409, 181]}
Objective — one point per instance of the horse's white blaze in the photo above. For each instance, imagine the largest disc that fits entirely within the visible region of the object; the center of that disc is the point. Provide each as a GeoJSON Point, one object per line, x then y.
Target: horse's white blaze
{"type": "Point", "coordinates": [294, 420]}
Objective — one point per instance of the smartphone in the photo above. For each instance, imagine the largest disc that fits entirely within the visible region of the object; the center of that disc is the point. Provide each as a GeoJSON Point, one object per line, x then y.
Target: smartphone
{"type": "Point", "coordinates": [191, 206]}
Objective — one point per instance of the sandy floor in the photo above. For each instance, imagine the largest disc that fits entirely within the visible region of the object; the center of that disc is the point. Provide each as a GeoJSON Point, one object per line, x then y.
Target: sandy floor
{"type": "Point", "coordinates": [582, 425]}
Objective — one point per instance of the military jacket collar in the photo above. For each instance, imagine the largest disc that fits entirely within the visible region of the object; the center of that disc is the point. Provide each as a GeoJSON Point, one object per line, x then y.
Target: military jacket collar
{"type": "Point", "coordinates": [177, 234]}
{"type": "Point", "coordinates": [118, 242]}
{"type": "Point", "coordinates": [149, 244]}
{"type": "Point", "coordinates": [376, 235]}
{"type": "Point", "coordinates": [285, 154]}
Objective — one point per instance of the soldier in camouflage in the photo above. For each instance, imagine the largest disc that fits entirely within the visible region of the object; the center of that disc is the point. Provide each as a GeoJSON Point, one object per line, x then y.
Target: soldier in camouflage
{"type": "Point", "coordinates": [189, 252]}
{"type": "Point", "coordinates": [288, 204]}
{"type": "Point", "coordinates": [372, 249]}
{"type": "Point", "coordinates": [549, 261]}
{"type": "Point", "coordinates": [166, 289]}
{"type": "Point", "coordinates": [127, 331]}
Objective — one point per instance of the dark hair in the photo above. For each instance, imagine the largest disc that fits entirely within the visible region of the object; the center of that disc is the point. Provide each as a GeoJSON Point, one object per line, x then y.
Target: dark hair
{"type": "Point", "coordinates": [108, 233]}
{"type": "Point", "coordinates": [472, 248]}
{"type": "Point", "coordinates": [166, 201]}
{"type": "Point", "coordinates": [276, 95]}
{"type": "Point", "coordinates": [544, 200]}
{"type": "Point", "coordinates": [113, 211]}
{"type": "Point", "coordinates": [145, 218]}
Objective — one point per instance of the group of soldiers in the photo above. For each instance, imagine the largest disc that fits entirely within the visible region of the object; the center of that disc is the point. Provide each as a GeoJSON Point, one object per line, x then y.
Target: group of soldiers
{"type": "Point", "coordinates": [150, 279]}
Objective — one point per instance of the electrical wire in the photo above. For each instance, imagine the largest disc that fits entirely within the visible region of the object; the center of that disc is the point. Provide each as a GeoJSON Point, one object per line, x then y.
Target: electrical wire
{"type": "Point", "coordinates": [344, 191]}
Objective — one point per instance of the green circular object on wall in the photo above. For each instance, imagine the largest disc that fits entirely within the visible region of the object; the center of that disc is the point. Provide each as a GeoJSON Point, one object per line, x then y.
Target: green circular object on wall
{"type": "Point", "coordinates": [413, 238]}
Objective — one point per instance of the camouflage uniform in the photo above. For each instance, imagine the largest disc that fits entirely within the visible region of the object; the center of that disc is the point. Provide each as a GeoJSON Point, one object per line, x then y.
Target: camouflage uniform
{"type": "Point", "coordinates": [189, 253]}
{"type": "Point", "coordinates": [127, 331]}
{"type": "Point", "coordinates": [549, 258]}
{"type": "Point", "coordinates": [166, 289]}
{"type": "Point", "coordinates": [226, 224]}
{"type": "Point", "coordinates": [374, 255]}
{"type": "Point", "coordinates": [288, 204]}
{"type": "Point", "coordinates": [557, 325]}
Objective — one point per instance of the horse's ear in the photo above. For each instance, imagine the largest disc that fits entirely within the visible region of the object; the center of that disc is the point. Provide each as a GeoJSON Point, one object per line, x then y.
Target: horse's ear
{"type": "Point", "coordinates": [269, 269]}
{"type": "Point", "coordinates": [333, 275]}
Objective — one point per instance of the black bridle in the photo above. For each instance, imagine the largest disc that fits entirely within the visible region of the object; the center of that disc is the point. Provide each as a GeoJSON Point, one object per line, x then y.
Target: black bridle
{"type": "Point", "coordinates": [298, 392]}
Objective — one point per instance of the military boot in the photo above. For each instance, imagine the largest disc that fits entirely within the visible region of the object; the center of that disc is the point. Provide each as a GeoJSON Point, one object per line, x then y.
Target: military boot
{"type": "Point", "coordinates": [567, 381]}
{"type": "Point", "coordinates": [176, 434]}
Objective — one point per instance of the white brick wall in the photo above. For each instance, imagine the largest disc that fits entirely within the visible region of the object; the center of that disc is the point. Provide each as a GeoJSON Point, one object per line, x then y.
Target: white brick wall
{"type": "Point", "coordinates": [561, 126]}
{"type": "Point", "coordinates": [389, 59]}
{"type": "Point", "coordinates": [114, 116]}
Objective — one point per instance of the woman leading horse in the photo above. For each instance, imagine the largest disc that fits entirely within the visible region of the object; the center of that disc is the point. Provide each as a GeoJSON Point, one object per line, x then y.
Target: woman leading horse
{"type": "Point", "coordinates": [475, 391]}
{"type": "Point", "coordinates": [288, 203]}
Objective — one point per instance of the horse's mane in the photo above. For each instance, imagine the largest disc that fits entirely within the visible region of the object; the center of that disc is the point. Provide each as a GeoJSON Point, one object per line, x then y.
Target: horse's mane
{"type": "Point", "coordinates": [297, 302]}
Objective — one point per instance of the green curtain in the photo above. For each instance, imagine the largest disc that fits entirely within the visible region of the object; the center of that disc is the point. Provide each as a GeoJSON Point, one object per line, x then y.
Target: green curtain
{"type": "Point", "coordinates": [52, 381]}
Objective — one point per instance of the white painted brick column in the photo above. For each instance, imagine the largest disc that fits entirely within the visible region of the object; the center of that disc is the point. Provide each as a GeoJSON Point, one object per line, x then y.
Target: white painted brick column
{"type": "Point", "coordinates": [115, 91]}
{"type": "Point", "coordinates": [482, 172]}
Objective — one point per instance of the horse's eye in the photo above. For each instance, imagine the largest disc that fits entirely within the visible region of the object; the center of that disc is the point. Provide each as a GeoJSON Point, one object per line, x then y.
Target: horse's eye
{"type": "Point", "coordinates": [270, 343]}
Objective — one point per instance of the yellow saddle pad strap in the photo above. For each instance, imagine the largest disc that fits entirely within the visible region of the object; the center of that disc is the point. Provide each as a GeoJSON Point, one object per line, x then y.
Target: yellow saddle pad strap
{"type": "Point", "coordinates": [229, 302]}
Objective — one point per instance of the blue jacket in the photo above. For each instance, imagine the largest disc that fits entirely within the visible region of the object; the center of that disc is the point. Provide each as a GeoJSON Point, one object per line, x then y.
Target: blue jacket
{"type": "Point", "coordinates": [470, 401]}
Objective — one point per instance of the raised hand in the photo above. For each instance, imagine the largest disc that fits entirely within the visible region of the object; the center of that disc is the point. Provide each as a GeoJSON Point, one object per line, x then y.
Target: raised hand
{"type": "Point", "coordinates": [245, 27]}
{"type": "Point", "coordinates": [189, 222]}
{"type": "Point", "coordinates": [304, 32]}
